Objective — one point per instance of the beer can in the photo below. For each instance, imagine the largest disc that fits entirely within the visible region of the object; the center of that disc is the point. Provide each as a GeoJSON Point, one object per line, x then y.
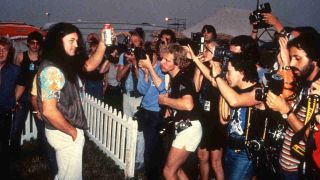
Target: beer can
{"type": "Point", "coordinates": [107, 35]}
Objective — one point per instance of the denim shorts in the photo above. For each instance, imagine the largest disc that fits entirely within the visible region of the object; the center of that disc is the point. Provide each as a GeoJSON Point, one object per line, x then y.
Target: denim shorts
{"type": "Point", "coordinates": [189, 138]}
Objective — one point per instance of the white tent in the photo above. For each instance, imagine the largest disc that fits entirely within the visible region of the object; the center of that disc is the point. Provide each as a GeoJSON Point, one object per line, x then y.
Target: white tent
{"type": "Point", "coordinates": [229, 21]}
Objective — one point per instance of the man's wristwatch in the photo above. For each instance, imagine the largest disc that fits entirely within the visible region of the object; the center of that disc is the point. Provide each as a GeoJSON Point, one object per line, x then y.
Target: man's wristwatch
{"type": "Point", "coordinates": [286, 68]}
{"type": "Point", "coordinates": [286, 115]}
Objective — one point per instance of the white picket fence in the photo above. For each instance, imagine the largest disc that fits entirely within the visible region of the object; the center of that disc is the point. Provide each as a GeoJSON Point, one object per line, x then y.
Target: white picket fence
{"type": "Point", "coordinates": [114, 133]}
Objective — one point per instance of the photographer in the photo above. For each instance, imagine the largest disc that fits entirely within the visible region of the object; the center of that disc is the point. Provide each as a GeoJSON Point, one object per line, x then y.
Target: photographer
{"type": "Point", "coordinates": [213, 139]}
{"type": "Point", "coordinates": [127, 74]}
{"type": "Point", "coordinates": [150, 85]}
{"type": "Point", "coordinates": [239, 91]}
{"type": "Point", "coordinates": [210, 35]}
{"type": "Point", "coordinates": [166, 37]}
{"type": "Point", "coordinates": [181, 106]}
{"type": "Point", "coordinates": [304, 60]}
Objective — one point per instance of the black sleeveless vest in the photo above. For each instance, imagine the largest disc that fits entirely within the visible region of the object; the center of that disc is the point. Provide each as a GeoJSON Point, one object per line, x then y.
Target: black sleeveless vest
{"type": "Point", "coordinates": [69, 104]}
{"type": "Point", "coordinates": [28, 70]}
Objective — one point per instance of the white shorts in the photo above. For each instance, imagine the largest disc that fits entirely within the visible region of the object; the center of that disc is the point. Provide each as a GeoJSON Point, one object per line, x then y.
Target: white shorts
{"type": "Point", "coordinates": [189, 138]}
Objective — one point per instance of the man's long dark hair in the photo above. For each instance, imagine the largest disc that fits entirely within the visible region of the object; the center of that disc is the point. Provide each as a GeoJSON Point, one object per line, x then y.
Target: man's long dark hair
{"type": "Point", "coordinates": [54, 51]}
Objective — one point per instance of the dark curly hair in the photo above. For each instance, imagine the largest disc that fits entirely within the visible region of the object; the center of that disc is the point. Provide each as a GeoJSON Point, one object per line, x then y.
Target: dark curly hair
{"type": "Point", "coordinates": [170, 33]}
{"type": "Point", "coordinates": [310, 43]}
{"type": "Point", "coordinates": [35, 35]}
{"type": "Point", "coordinates": [247, 45]}
{"type": "Point", "coordinates": [53, 50]}
{"type": "Point", "coordinates": [245, 63]}
{"type": "Point", "coordinates": [7, 43]}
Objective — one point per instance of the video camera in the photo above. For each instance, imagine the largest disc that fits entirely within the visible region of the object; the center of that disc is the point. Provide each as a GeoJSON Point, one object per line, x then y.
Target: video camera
{"type": "Point", "coordinates": [274, 83]}
{"type": "Point", "coordinates": [256, 17]}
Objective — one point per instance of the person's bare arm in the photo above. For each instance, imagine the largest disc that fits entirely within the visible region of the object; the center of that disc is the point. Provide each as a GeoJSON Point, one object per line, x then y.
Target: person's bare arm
{"type": "Point", "coordinates": [272, 20]}
{"type": "Point", "coordinates": [19, 91]}
{"type": "Point", "coordinates": [235, 99]}
{"type": "Point", "coordinates": [277, 103]}
{"type": "Point", "coordinates": [56, 119]}
{"type": "Point", "coordinates": [93, 62]}
{"type": "Point", "coordinates": [122, 70]}
{"type": "Point", "coordinates": [185, 103]}
{"type": "Point", "coordinates": [18, 59]}
{"type": "Point", "coordinates": [104, 67]}
{"type": "Point", "coordinates": [146, 63]}
{"type": "Point", "coordinates": [197, 79]}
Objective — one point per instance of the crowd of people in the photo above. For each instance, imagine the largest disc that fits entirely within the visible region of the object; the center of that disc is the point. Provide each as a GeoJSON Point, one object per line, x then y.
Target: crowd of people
{"type": "Point", "coordinates": [246, 114]}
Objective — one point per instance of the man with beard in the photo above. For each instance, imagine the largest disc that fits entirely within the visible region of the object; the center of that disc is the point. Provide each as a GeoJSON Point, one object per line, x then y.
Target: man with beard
{"type": "Point", "coordinates": [59, 91]}
{"type": "Point", "coordinates": [304, 54]}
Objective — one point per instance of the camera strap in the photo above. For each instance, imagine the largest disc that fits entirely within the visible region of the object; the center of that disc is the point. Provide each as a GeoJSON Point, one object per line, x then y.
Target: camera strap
{"type": "Point", "coordinates": [312, 104]}
{"type": "Point", "coordinates": [296, 150]}
{"type": "Point", "coordinates": [248, 123]}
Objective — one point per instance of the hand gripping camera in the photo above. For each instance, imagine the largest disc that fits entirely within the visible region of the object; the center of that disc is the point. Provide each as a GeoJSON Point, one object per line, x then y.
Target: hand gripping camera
{"type": "Point", "coordinates": [274, 84]}
{"type": "Point", "coordinates": [223, 54]}
{"type": "Point", "coordinates": [256, 17]}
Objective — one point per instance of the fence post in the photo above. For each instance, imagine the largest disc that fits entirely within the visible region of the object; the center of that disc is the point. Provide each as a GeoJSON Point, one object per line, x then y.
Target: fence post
{"type": "Point", "coordinates": [131, 147]}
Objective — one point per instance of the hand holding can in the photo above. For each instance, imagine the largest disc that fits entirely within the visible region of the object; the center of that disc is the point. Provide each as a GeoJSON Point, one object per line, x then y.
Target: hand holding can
{"type": "Point", "coordinates": [107, 34]}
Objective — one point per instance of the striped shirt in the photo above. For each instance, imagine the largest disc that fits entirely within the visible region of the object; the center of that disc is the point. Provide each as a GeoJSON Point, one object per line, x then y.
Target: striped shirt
{"type": "Point", "coordinates": [287, 161]}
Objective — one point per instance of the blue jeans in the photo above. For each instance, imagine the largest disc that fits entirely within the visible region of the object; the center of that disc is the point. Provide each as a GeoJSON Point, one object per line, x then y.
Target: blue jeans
{"type": "Point", "coordinates": [5, 126]}
{"type": "Point", "coordinates": [237, 165]}
{"type": "Point", "coordinates": [18, 124]}
{"type": "Point", "coordinates": [287, 175]}
{"type": "Point", "coordinates": [151, 123]}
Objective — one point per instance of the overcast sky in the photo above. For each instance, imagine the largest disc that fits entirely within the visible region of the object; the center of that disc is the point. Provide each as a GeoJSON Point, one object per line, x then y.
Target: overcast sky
{"type": "Point", "coordinates": [290, 12]}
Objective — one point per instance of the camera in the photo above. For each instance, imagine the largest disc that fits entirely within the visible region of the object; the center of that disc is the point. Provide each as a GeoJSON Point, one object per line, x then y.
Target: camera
{"type": "Point", "coordinates": [256, 17]}
{"type": "Point", "coordinates": [182, 125]}
{"type": "Point", "coordinates": [274, 83]}
{"type": "Point", "coordinates": [130, 49]}
{"type": "Point", "coordinates": [196, 43]}
{"type": "Point", "coordinates": [222, 53]}
{"type": "Point", "coordinates": [139, 53]}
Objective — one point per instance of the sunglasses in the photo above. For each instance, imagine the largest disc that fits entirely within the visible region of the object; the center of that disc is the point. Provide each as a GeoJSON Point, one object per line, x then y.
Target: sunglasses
{"type": "Point", "coordinates": [34, 43]}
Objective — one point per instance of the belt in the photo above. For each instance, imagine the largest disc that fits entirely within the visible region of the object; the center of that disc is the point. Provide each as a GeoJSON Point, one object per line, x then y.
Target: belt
{"type": "Point", "coordinates": [113, 87]}
{"type": "Point", "coordinates": [236, 143]}
{"type": "Point", "coordinates": [134, 94]}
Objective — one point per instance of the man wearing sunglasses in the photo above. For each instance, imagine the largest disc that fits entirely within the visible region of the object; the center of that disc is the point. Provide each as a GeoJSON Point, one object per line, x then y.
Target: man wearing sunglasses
{"type": "Point", "coordinates": [29, 62]}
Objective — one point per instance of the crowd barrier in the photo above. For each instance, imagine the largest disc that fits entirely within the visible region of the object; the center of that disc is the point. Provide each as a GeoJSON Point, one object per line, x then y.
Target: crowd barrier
{"type": "Point", "coordinates": [114, 133]}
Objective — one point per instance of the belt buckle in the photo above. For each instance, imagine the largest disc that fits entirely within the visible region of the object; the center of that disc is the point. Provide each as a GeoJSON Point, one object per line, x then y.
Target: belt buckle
{"type": "Point", "coordinates": [237, 150]}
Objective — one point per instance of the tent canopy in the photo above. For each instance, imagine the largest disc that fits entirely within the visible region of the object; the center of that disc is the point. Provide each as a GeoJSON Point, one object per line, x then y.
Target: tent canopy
{"type": "Point", "coordinates": [18, 30]}
{"type": "Point", "coordinates": [229, 21]}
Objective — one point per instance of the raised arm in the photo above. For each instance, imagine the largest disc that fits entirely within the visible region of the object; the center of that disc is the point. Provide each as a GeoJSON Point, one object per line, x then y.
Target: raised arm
{"type": "Point", "coordinates": [93, 62]}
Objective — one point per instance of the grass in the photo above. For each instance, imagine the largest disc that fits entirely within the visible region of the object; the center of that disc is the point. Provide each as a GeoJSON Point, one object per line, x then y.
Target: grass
{"type": "Point", "coordinates": [96, 165]}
